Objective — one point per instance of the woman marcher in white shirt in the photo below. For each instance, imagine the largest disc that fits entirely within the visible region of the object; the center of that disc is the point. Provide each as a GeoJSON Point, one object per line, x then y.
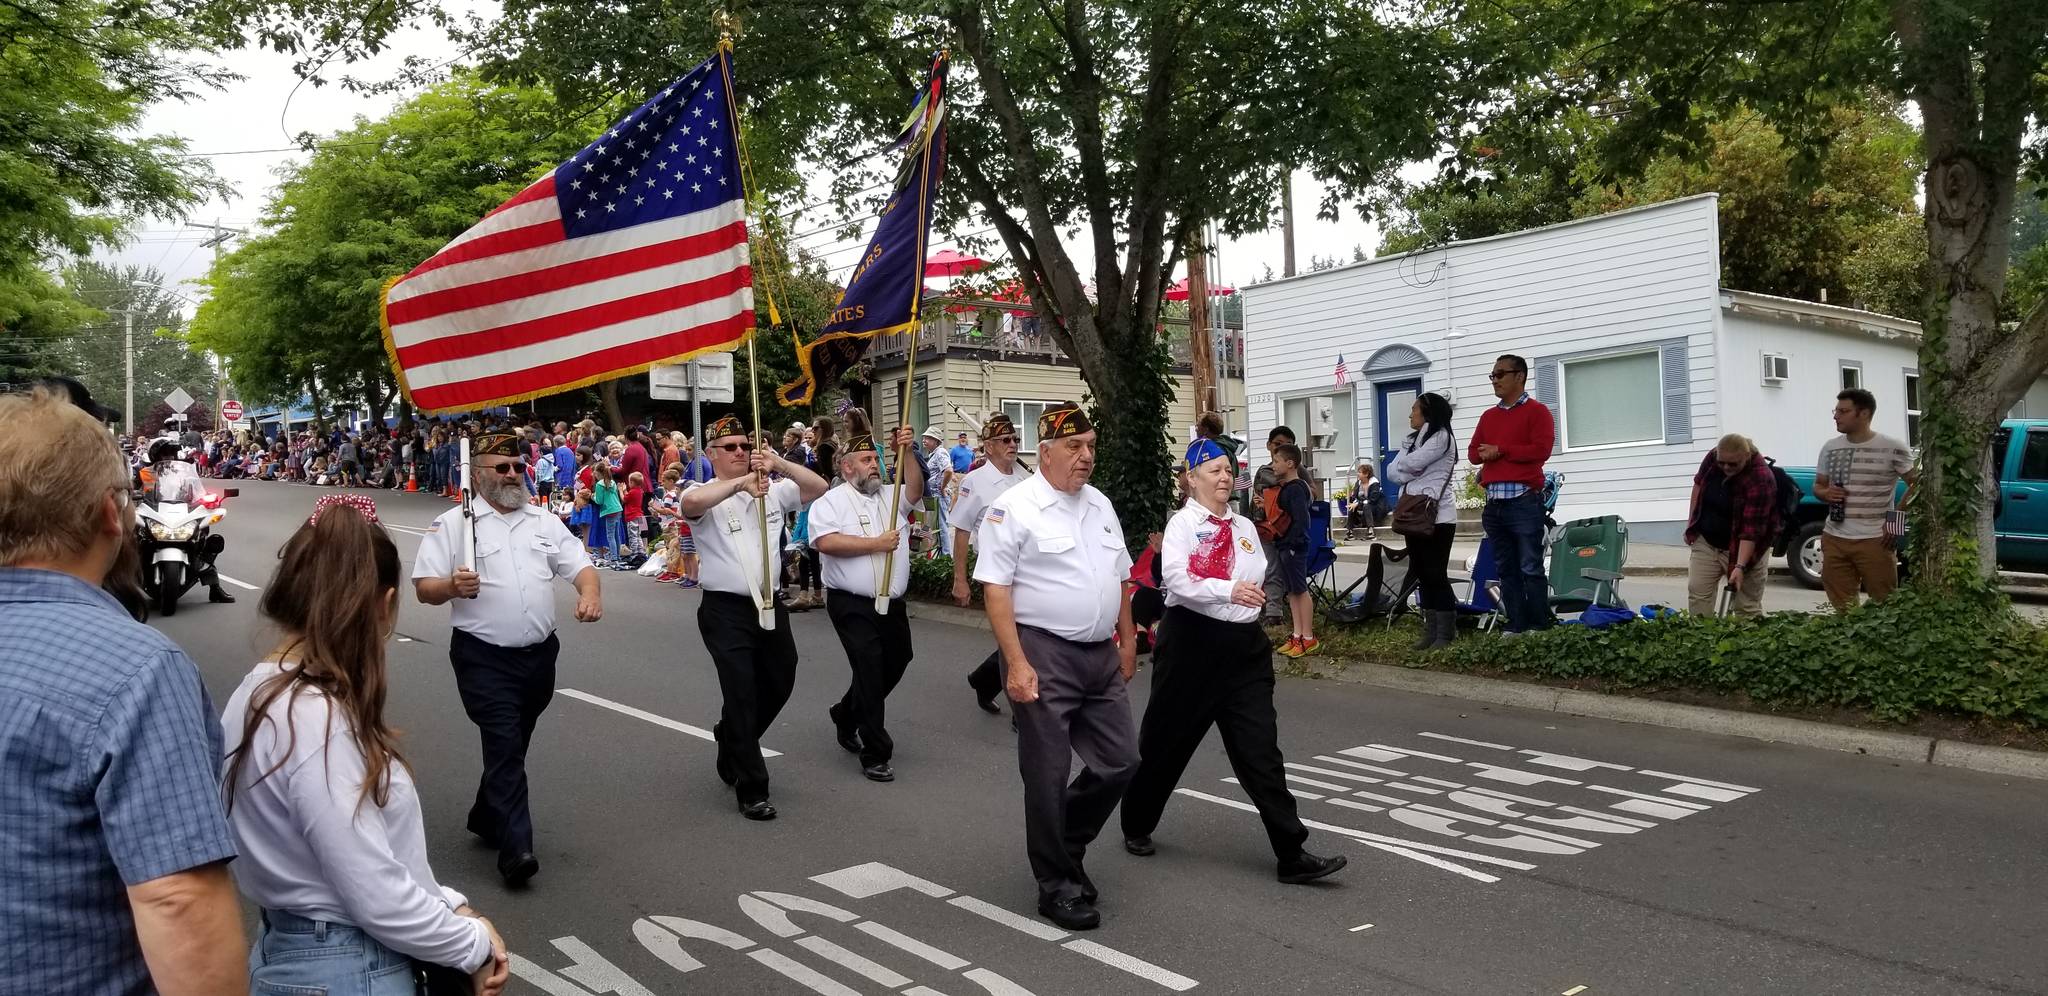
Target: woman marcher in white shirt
{"type": "Point", "coordinates": [1213, 665]}
{"type": "Point", "coordinates": [1425, 465]}
{"type": "Point", "coordinates": [333, 849]}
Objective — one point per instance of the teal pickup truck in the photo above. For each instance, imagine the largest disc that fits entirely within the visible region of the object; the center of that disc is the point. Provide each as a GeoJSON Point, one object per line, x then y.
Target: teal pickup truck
{"type": "Point", "coordinates": [2020, 506]}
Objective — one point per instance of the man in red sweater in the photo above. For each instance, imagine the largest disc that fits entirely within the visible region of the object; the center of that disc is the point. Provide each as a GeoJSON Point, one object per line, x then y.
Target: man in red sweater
{"type": "Point", "coordinates": [1513, 439]}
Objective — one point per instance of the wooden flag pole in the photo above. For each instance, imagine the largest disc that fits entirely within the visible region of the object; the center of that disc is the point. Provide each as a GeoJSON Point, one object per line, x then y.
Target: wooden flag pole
{"type": "Point", "coordinates": [765, 601]}
{"type": "Point", "coordinates": [902, 467]}
{"type": "Point", "coordinates": [468, 512]}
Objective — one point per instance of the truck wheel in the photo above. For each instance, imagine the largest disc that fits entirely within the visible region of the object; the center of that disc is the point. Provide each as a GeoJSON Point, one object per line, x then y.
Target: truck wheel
{"type": "Point", "coordinates": [1804, 556]}
{"type": "Point", "coordinates": [169, 583]}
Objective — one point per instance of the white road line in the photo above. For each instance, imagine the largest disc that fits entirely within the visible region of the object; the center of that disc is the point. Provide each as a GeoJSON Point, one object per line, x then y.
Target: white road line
{"type": "Point", "coordinates": [1661, 810]}
{"type": "Point", "coordinates": [796, 971]}
{"type": "Point", "coordinates": [1389, 772]}
{"type": "Point", "coordinates": [1707, 792]}
{"type": "Point", "coordinates": [642, 714]}
{"type": "Point", "coordinates": [1570, 763]}
{"type": "Point", "coordinates": [949, 962]}
{"type": "Point", "coordinates": [1412, 850]}
{"type": "Point", "coordinates": [1388, 799]}
{"type": "Point", "coordinates": [1419, 789]}
{"type": "Point", "coordinates": [1042, 931]}
{"type": "Point", "coordinates": [1297, 793]}
{"type": "Point", "coordinates": [1311, 769]}
{"type": "Point", "coordinates": [239, 583]}
{"type": "Point", "coordinates": [1313, 783]}
{"type": "Point", "coordinates": [1595, 814]}
{"type": "Point", "coordinates": [1439, 781]}
{"type": "Point", "coordinates": [1699, 781]}
{"type": "Point", "coordinates": [1649, 798]}
{"type": "Point", "coordinates": [1136, 966]}
{"type": "Point", "coordinates": [882, 975]}
{"type": "Point", "coordinates": [1462, 740]}
{"type": "Point", "coordinates": [1416, 753]}
{"type": "Point", "coordinates": [1574, 991]}
{"type": "Point", "coordinates": [1348, 804]}
{"type": "Point", "coordinates": [1548, 835]}
{"type": "Point", "coordinates": [1362, 926]}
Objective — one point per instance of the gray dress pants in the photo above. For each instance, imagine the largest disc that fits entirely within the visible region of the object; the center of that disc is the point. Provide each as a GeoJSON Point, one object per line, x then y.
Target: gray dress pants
{"type": "Point", "coordinates": [1084, 708]}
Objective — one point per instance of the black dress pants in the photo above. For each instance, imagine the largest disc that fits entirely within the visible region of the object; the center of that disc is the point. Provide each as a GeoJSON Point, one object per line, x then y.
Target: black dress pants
{"type": "Point", "coordinates": [504, 690]}
{"type": "Point", "coordinates": [1208, 672]}
{"type": "Point", "coordinates": [987, 678]}
{"type": "Point", "coordinates": [877, 650]}
{"type": "Point", "coordinates": [756, 672]}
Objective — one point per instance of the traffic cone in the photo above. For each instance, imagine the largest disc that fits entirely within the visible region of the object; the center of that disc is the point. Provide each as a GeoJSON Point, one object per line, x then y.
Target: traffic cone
{"type": "Point", "coordinates": [412, 482]}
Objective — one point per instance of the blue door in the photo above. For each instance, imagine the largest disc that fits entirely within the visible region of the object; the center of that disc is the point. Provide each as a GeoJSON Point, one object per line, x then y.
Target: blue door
{"type": "Point", "coordinates": [1392, 399]}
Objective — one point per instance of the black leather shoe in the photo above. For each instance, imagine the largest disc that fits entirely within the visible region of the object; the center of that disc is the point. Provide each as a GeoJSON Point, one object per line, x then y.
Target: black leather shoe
{"type": "Point", "coordinates": [1306, 867]}
{"type": "Point", "coordinates": [724, 763]}
{"type": "Point", "coordinates": [219, 595]}
{"type": "Point", "coordinates": [879, 772]}
{"type": "Point", "coordinates": [987, 703]}
{"type": "Point", "coordinates": [1074, 914]}
{"type": "Point", "coordinates": [1088, 893]}
{"type": "Point", "coordinates": [1140, 846]}
{"type": "Point", "coordinates": [759, 809]}
{"type": "Point", "coordinates": [848, 736]}
{"type": "Point", "coordinates": [518, 868]}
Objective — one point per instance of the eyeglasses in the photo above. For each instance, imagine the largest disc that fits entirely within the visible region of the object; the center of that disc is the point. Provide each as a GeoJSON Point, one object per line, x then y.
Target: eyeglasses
{"type": "Point", "coordinates": [729, 447]}
{"type": "Point", "coordinates": [1505, 374]}
{"type": "Point", "coordinates": [516, 467]}
{"type": "Point", "coordinates": [1007, 440]}
{"type": "Point", "coordinates": [1731, 464]}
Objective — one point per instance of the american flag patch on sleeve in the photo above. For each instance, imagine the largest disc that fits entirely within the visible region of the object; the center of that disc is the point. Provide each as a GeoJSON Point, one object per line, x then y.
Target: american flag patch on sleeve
{"type": "Point", "coordinates": [995, 515]}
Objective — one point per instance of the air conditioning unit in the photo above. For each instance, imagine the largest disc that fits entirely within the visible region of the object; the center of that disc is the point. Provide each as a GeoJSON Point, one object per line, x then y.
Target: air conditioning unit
{"type": "Point", "coordinates": [1777, 369]}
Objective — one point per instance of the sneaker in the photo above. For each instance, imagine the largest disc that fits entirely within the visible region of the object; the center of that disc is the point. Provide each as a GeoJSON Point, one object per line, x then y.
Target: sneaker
{"type": "Point", "coordinates": [687, 583]}
{"type": "Point", "coordinates": [1292, 648]}
{"type": "Point", "coordinates": [1306, 645]}
{"type": "Point", "coordinates": [668, 577]}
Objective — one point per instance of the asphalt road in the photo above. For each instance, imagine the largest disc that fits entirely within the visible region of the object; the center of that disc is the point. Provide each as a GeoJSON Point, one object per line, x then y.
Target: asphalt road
{"type": "Point", "coordinates": [1493, 851]}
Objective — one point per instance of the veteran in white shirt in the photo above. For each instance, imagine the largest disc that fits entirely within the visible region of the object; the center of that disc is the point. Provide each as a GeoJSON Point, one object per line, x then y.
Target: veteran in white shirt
{"type": "Point", "coordinates": [739, 564]}
{"type": "Point", "coordinates": [1052, 564]}
{"type": "Point", "coordinates": [504, 645]}
{"type": "Point", "coordinates": [864, 553]}
{"type": "Point", "coordinates": [978, 491]}
{"type": "Point", "coordinates": [1213, 666]}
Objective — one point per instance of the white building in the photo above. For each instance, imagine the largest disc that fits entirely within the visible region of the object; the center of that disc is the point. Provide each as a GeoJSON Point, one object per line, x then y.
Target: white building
{"type": "Point", "coordinates": [1642, 356]}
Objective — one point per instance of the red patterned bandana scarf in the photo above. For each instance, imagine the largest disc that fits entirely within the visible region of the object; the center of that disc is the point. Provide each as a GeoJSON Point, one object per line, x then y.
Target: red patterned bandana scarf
{"type": "Point", "coordinates": [1214, 558]}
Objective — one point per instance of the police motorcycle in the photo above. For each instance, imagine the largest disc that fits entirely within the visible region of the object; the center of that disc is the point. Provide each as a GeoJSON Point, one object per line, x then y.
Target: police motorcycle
{"type": "Point", "coordinates": [174, 520]}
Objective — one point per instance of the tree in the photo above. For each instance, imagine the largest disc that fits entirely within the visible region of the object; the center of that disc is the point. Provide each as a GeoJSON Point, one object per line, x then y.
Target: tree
{"type": "Point", "coordinates": [1665, 71]}
{"type": "Point", "coordinates": [296, 308]}
{"type": "Point", "coordinates": [78, 75]}
{"type": "Point", "coordinates": [1122, 125]}
{"type": "Point", "coordinates": [94, 354]}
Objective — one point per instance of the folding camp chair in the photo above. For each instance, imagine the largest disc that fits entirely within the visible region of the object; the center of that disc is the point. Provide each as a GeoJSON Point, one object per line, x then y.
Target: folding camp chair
{"type": "Point", "coordinates": [1586, 558]}
{"type": "Point", "coordinates": [1482, 588]}
{"type": "Point", "coordinates": [1321, 557]}
{"type": "Point", "coordinates": [1388, 589]}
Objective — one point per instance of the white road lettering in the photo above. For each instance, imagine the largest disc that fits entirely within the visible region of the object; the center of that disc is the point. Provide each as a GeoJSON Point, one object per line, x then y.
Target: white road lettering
{"type": "Point", "coordinates": [642, 714]}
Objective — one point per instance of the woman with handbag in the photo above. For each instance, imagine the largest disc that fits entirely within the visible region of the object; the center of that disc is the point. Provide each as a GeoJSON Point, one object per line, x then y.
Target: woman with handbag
{"type": "Point", "coordinates": [333, 849]}
{"type": "Point", "coordinates": [1427, 516]}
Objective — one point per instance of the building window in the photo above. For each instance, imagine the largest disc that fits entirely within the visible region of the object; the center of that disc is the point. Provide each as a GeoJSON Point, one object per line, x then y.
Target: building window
{"type": "Point", "coordinates": [920, 405]}
{"type": "Point", "coordinates": [1913, 409]}
{"type": "Point", "coordinates": [1025, 415]}
{"type": "Point", "coordinates": [1852, 375]}
{"type": "Point", "coordinates": [1613, 400]}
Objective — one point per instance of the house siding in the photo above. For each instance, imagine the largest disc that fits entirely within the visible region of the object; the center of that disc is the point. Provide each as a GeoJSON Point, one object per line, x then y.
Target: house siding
{"type": "Point", "coordinates": [960, 387]}
{"type": "Point", "coordinates": [1790, 421]}
{"type": "Point", "coordinates": [1631, 279]}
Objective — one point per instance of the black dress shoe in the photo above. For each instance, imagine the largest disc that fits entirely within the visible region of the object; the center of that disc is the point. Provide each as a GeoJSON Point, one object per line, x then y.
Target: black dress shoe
{"type": "Point", "coordinates": [847, 735]}
{"type": "Point", "coordinates": [759, 809]}
{"type": "Point", "coordinates": [219, 595]}
{"type": "Point", "coordinates": [1088, 893]}
{"type": "Point", "coordinates": [880, 772]}
{"type": "Point", "coordinates": [1074, 914]}
{"type": "Point", "coordinates": [1306, 867]}
{"type": "Point", "coordinates": [987, 703]}
{"type": "Point", "coordinates": [517, 868]}
{"type": "Point", "coordinates": [1140, 846]}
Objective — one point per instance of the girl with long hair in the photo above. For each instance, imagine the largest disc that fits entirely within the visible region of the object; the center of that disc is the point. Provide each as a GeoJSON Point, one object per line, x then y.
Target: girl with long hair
{"type": "Point", "coordinates": [1425, 466]}
{"type": "Point", "coordinates": [333, 849]}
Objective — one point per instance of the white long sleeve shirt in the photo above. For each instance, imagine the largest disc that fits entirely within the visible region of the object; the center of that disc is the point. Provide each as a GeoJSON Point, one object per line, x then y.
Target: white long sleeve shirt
{"type": "Point", "coordinates": [308, 848]}
{"type": "Point", "coordinates": [1185, 533]}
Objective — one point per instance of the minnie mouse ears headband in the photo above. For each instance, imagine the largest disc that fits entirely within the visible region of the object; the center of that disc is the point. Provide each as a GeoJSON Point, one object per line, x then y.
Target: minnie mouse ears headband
{"type": "Point", "coordinates": [363, 505]}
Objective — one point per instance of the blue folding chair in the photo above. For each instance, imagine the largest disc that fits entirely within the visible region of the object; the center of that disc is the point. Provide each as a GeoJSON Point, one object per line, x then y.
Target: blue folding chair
{"type": "Point", "coordinates": [1482, 588]}
{"type": "Point", "coordinates": [1322, 548]}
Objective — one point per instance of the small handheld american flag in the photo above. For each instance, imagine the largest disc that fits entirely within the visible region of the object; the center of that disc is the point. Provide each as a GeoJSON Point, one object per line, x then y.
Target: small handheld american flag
{"type": "Point", "coordinates": [631, 254]}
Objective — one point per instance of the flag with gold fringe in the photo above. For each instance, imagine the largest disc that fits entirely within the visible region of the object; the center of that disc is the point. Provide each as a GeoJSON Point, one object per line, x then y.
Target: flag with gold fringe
{"type": "Point", "coordinates": [882, 296]}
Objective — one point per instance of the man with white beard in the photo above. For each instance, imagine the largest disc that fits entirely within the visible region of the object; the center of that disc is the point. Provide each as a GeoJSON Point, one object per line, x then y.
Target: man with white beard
{"type": "Point", "coordinates": [856, 541]}
{"type": "Point", "coordinates": [504, 646]}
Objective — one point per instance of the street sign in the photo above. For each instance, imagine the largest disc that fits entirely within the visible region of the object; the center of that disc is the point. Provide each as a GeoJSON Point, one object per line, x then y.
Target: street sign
{"type": "Point", "coordinates": [714, 379]}
{"type": "Point", "coordinates": [178, 399]}
{"type": "Point", "coordinates": [231, 411]}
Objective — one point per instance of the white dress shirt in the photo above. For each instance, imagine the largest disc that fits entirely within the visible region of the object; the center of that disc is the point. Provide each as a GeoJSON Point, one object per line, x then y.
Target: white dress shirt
{"type": "Point", "coordinates": [519, 555]}
{"type": "Point", "coordinates": [845, 510]}
{"type": "Point", "coordinates": [980, 489]}
{"type": "Point", "coordinates": [1062, 556]}
{"type": "Point", "coordinates": [728, 537]}
{"type": "Point", "coordinates": [311, 844]}
{"type": "Point", "coordinates": [1185, 533]}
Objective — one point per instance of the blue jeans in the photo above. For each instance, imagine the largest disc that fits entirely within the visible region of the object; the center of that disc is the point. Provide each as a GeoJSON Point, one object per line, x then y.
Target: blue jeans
{"type": "Point", "coordinates": [1516, 527]}
{"type": "Point", "coordinates": [295, 956]}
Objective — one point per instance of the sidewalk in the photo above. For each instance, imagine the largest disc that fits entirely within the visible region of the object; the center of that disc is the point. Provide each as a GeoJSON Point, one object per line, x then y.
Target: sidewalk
{"type": "Point", "coordinates": [1644, 559]}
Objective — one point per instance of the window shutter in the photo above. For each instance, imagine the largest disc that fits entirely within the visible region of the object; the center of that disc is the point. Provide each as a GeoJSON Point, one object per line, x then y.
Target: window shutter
{"type": "Point", "coordinates": [1677, 393]}
{"type": "Point", "coordinates": [1546, 392]}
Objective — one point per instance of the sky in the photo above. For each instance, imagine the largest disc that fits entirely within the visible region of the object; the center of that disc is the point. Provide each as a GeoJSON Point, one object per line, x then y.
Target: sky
{"type": "Point", "coordinates": [246, 132]}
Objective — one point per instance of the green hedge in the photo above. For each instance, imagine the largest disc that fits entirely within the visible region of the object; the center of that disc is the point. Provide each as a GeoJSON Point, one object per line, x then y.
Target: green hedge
{"type": "Point", "coordinates": [932, 578]}
{"type": "Point", "coordinates": [1967, 654]}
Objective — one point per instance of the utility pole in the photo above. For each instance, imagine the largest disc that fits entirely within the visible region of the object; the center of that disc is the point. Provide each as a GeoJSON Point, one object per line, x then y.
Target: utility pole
{"type": "Point", "coordinates": [1200, 365]}
{"type": "Point", "coordinates": [128, 367]}
{"type": "Point", "coordinates": [216, 241]}
{"type": "Point", "coordinates": [1287, 225]}
{"type": "Point", "coordinates": [696, 411]}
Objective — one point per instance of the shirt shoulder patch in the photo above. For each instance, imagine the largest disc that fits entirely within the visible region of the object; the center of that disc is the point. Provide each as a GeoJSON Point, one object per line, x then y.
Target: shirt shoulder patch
{"type": "Point", "coordinates": [995, 514]}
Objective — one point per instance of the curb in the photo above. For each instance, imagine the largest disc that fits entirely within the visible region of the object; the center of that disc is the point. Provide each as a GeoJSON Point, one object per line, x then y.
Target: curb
{"type": "Point", "coordinates": [2007, 761]}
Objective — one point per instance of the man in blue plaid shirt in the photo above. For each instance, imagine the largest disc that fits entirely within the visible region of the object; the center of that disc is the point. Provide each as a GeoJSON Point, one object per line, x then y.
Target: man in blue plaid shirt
{"type": "Point", "coordinates": [114, 838]}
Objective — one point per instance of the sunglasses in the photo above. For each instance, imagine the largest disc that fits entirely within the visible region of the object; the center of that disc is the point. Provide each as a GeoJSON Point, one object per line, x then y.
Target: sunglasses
{"type": "Point", "coordinates": [517, 467]}
{"type": "Point", "coordinates": [1505, 374]}
{"type": "Point", "coordinates": [729, 447]}
{"type": "Point", "coordinates": [1731, 464]}
{"type": "Point", "coordinates": [1007, 440]}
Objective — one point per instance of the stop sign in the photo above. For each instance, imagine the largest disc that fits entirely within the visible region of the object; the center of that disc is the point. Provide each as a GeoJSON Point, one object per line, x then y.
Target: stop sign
{"type": "Point", "coordinates": [231, 411]}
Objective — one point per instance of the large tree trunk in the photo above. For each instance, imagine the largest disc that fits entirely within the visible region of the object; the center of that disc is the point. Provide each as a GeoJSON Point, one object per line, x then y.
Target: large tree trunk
{"type": "Point", "coordinates": [614, 416]}
{"type": "Point", "coordinates": [319, 410]}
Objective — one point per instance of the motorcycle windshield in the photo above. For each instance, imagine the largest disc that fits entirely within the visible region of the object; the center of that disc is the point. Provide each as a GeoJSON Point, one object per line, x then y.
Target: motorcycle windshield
{"type": "Point", "coordinates": [178, 481]}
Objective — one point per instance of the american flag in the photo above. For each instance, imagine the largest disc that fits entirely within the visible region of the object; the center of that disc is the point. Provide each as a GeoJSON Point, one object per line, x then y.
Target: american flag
{"type": "Point", "coordinates": [1343, 375]}
{"type": "Point", "coordinates": [633, 253]}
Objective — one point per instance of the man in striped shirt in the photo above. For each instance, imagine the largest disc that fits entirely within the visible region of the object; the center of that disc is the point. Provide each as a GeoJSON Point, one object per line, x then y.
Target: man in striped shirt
{"type": "Point", "coordinates": [1858, 476]}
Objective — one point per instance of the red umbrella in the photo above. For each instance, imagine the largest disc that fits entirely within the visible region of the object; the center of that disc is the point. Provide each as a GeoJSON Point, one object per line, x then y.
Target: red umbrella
{"type": "Point", "coordinates": [1014, 292]}
{"type": "Point", "coordinates": [1179, 291]}
{"type": "Point", "coordinates": [947, 263]}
